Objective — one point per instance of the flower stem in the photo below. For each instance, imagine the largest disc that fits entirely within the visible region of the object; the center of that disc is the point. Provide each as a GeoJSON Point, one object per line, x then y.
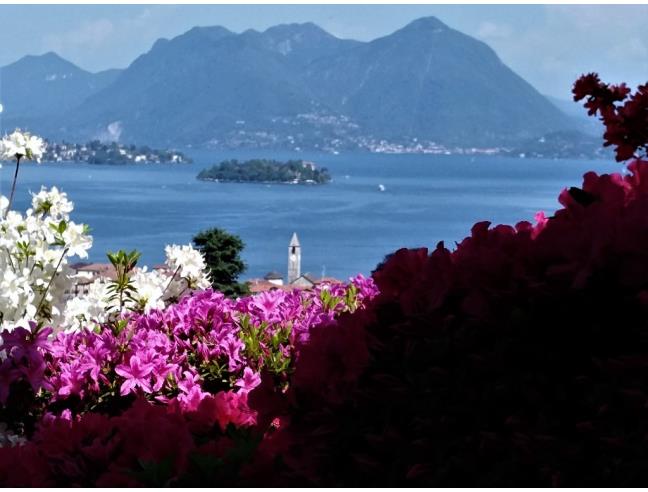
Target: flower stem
{"type": "Point", "coordinates": [171, 280]}
{"type": "Point", "coordinates": [13, 186]}
{"type": "Point", "coordinates": [49, 284]}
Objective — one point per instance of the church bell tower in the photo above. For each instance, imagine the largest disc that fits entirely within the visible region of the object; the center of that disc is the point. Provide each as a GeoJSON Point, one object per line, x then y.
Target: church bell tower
{"type": "Point", "coordinates": [294, 259]}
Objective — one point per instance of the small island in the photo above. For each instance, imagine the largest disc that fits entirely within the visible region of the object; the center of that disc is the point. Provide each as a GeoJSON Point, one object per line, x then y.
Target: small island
{"type": "Point", "coordinates": [96, 152]}
{"type": "Point", "coordinates": [266, 171]}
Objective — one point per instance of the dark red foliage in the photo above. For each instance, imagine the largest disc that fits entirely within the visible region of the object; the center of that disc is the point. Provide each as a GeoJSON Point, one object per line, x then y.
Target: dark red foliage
{"type": "Point", "coordinates": [626, 124]}
{"type": "Point", "coordinates": [97, 450]}
{"type": "Point", "coordinates": [519, 359]}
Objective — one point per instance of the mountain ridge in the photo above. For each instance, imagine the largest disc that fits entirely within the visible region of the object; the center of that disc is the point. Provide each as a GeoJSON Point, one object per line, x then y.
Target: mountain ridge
{"type": "Point", "coordinates": [296, 85]}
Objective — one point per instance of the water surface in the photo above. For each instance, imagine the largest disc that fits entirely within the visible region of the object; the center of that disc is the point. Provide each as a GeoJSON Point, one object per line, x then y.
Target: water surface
{"type": "Point", "coordinates": [345, 227]}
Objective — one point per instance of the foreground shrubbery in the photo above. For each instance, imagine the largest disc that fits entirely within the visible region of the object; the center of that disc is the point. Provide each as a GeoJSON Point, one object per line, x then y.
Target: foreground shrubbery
{"type": "Point", "coordinates": [519, 358]}
{"type": "Point", "coordinates": [136, 401]}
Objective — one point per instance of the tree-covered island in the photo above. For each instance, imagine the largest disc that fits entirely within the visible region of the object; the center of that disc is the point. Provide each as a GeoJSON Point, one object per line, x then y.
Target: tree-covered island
{"type": "Point", "coordinates": [96, 152]}
{"type": "Point", "coordinates": [266, 171]}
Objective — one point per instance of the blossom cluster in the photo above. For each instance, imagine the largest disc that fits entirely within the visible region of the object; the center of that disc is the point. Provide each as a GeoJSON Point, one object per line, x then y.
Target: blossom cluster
{"type": "Point", "coordinates": [152, 289]}
{"type": "Point", "coordinates": [195, 362]}
{"type": "Point", "coordinates": [21, 145]}
{"type": "Point", "coordinates": [34, 253]}
{"type": "Point", "coordinates": [624, 114]}
{"type": "Point", "coordinates": [35, 248]}
{"type": "Point", "coordinates": [204, 341]}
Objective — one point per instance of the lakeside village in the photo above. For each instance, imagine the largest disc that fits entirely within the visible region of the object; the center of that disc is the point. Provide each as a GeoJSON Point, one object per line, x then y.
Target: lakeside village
{"type": "Point", "coordinates": [87, 273]}
{"type": "Point", "coordinates": [96, 152]}
{"type": "Point", "coordinates": [554, 145]}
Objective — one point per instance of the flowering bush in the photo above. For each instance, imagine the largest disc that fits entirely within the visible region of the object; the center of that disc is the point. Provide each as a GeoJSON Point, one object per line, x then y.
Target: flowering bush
{"type": "Point", "coordinates": [519, 358]}
{"type": "Point", "coordinates": [147, 290]}
{"type": "Point", "coordinates": [35, 249]}
{"type": "Point", "coordinates": [199, 359]}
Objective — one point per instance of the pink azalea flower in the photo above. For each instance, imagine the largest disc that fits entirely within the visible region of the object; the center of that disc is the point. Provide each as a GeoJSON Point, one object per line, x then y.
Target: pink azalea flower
{"type": "Point", "coordinates": [137, 374]}
{"type": "Point", "coordinates": [249, 381]}
{"type": "Point", "coordinates": [71, 381]}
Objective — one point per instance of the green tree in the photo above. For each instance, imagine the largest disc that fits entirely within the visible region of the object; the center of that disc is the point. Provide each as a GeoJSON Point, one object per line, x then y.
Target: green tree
{"type": "Point", "coordinates": [221, 251]}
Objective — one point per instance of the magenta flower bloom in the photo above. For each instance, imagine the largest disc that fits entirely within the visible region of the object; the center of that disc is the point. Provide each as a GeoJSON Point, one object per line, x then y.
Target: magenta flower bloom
{"type": "Point", "coordinates": [249, 381]}
{"type": "Point", "coordinates": [136, 374]}
{"type": "Point", "coordinates": [267, 304]}
{"type": "Point", "coordinates": [71, 381]}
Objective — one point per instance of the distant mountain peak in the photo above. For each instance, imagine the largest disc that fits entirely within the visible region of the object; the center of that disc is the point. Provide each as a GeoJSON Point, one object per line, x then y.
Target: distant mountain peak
{"type": "Point", "coordinates": [191, 40]}
{"type": "Point", "coordinates": [51, 59]}
{"type": "Point", "coordinates": [212, 33]}
{"type": "Point", "coordinates": [308, 28]}
{"type": "Point", "coordinates": [37, 86]}
{"type": "Point", "coordinates": [50, 55]}
{"type": "Point", "coordinates": [429, 23]}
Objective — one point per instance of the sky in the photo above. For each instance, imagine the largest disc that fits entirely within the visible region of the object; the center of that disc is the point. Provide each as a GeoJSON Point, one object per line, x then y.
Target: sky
{"type": "Point", "coordinates": [548, 45]}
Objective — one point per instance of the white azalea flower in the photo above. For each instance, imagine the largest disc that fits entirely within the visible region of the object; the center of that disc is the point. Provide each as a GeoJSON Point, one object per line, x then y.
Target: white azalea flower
{"type": "Point", "coordinates": [89, 308]}
{"type": "Point", "coordinates": [77, 242]}
{"type": "Point", "coordinates": [21, 145]}
{"type": "Point", "coordinates": [34, 275]}
{"type": "Point", "coordinates": [189, 264]}
{"type": "Point", "coordinates": [52, 202]}
{"type": "Point", "coordinates": [149, 288]}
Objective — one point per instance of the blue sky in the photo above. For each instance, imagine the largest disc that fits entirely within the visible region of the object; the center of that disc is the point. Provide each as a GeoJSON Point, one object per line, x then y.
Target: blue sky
{"type": "Point", "coordinates": [549, 45]}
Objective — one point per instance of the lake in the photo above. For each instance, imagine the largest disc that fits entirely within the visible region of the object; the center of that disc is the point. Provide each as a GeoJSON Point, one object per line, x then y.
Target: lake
{"type": "Point", "coordinates": [345, 227]}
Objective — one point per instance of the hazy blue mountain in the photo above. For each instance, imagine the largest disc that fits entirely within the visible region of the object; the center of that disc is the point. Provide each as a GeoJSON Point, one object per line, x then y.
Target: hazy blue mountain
{"type": "Point", "coordinates": [37, 87]}
{"type": "Point", "coordinates": [296, 85]}
{"type": "Point", "coordinates": [194, 88]}
{"type": "Point", "coordinates": [427, 80]}
{"type": "Point", "coordinates": [300, 43]}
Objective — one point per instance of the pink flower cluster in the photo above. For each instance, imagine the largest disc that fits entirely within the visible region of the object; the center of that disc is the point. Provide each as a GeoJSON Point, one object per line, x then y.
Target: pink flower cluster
{"type": "Point", "coordinates": [106, 403]}
{"type": "Point", "coordinates": [23, 361]}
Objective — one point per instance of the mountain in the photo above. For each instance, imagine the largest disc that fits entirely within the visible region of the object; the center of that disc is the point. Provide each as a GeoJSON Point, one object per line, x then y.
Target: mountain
{"type": "Point", "coordinates": [194, 88]}
{"type": "Point", "coordinates": [295, 85]}
{"type": "Point", "coordinates": [300, 43]}
{"type": "Point", "coordinates": [432, 81]}
{"type": "Point", "coordinates": [37, 87]}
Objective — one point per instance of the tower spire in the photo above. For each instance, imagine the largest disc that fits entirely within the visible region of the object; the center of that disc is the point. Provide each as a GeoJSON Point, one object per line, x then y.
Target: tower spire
{"type": "Point", "coordinates": [294, 259]}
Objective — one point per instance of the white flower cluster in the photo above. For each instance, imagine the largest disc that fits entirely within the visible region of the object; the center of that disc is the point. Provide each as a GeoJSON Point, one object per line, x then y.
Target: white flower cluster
{"type": "Point", "coordinates": [34, 250]}
{"type": "Point", "coordinates": [21, 145]}
{"type": "Point", "coordinates": [155, 289]}
{"type": "Point", "coordinates": [188, 263]}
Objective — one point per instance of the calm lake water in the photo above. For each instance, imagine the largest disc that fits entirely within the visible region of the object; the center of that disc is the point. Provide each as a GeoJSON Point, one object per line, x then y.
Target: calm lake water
{"type": "Point", "coordinates": [345, 227]}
